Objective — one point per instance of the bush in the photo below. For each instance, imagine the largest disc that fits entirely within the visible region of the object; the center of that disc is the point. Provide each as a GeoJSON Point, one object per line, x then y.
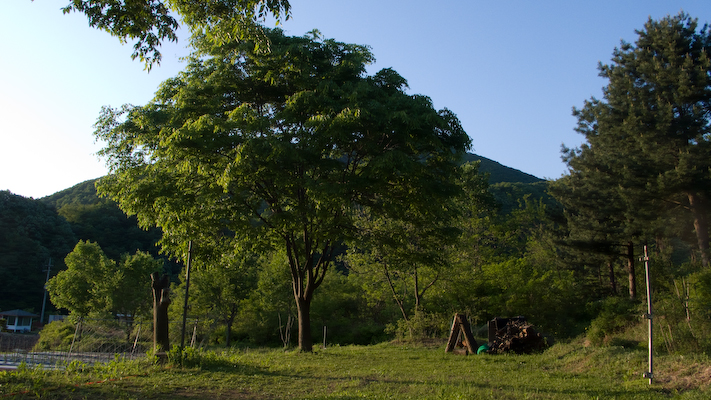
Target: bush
{"type": "Point", "coordinates": [190, 357]}
{"type": "Point", "coordinates": [615, 315]}
{"type": "Point", "coordinates": [420, 326]}
{"type": "Point", "coordinates": [683, 314]}
{"type": "Point", "coordinates": [56, 335]}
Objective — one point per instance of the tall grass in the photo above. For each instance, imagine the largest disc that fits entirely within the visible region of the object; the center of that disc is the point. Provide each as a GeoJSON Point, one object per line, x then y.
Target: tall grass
{"type": "Point", "coordinates": [385, 371]}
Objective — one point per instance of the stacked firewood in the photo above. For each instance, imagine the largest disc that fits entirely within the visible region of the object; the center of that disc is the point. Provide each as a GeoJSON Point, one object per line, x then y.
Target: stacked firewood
{"type": "Point", "coordinates": [519, 337]}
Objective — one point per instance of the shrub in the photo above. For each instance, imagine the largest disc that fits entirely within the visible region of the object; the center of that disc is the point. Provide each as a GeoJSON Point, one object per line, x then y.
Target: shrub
{"type": "Point", "coordinates": [56, 335]}
{"type": "Point", "coordinates": [615, 315]}
{"type": "Point", "coordinates": [420, 326]}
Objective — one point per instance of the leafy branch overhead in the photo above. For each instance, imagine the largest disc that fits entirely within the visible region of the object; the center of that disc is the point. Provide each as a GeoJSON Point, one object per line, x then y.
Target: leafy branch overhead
{"type": "Point", "coordinates": [152, 22]}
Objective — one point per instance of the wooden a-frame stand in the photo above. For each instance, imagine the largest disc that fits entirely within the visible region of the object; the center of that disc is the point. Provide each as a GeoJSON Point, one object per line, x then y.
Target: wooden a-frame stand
{"type": "Point", "coordinates": [460, 327]}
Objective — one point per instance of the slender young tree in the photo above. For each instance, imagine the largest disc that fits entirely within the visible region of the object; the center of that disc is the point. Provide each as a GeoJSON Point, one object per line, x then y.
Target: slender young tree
{"type": "Point", "coordinates": [280, 148]}
{"type": "Point", "coordinates": [131, 286]}
{"type": "Point", "coordinates": [218, 289]}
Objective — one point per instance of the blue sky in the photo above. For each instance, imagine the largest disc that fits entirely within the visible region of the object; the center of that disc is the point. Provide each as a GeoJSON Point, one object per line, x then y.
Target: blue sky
{"type": "Point", "coordinates": [510, 70]}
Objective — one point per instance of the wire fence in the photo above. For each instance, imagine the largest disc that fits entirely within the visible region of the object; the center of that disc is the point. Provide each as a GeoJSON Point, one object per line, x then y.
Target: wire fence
{"type": "Point", "coordinates": [87, 341]}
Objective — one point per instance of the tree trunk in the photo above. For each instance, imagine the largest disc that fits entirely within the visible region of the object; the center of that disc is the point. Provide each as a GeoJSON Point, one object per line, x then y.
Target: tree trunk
{"type": "Point", "coordinates": [397, 299]}
{"type": "Point", "coordinates": [230, 320]}
{"type": "Point", "coordinates": [631, 271]}
{"type": "Point", "coordinates": [613, 280]}
{"type": "Point", "coordinates": [303, 308]}
{"type": "Point", "coordinates": [228, 334]}
{"type": "Point", "coordinates": [306, 276]}
{"type": "Point", "coordinates": [700, 226]}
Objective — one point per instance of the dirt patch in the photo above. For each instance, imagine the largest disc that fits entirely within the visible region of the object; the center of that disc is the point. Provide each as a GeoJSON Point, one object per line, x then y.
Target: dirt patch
{"type": "Point", "coordinates": [425, 342]}
{"type": "Point", "coordinates": [223, 395]}
{"type": "Point", "coordinates": [682, 376]}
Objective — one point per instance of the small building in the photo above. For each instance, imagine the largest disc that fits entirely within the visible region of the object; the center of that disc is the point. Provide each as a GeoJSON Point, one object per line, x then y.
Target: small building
{"type": "Point", "coordinates": [18, 320]}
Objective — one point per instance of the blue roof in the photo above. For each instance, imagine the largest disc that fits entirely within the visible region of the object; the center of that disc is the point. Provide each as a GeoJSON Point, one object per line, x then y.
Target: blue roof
{"type": "Point", "coordinates": [18, 313]}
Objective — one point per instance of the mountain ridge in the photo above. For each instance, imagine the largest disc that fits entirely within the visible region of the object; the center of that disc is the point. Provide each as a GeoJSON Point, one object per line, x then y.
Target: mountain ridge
{"type": "Point", "coordinates": [498, 173]}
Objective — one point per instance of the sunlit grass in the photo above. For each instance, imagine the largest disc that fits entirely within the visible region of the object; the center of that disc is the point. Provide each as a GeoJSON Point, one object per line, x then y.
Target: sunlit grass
{"type": "Point", "coordinates": [385, 371]}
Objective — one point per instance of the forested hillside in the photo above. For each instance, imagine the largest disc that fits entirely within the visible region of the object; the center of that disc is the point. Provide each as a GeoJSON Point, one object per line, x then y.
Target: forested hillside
{"type": "Point", "coordinates": [100, 220]}
{"type": "Point", "coordinates": [31, 234]}
{"type": "Point", "coordinates": [499, 173]}
{"type": "Point", "coordinates": [511, 187]}
{"type": "Point", "coordinates": [33, 231]}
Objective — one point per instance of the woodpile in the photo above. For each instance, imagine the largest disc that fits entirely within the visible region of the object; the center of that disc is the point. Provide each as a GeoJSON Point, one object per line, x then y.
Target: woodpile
{"type": "Point", "coordinates": [517, 336]}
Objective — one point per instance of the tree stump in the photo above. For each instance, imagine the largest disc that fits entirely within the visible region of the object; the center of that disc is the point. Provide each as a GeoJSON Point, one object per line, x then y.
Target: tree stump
{"type": "Point", "coordinates": [161, 300]}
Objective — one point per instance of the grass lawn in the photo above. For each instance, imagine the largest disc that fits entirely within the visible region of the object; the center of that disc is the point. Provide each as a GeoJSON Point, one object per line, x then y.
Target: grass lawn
{"type": "Point", "coordinates": [385, 371]}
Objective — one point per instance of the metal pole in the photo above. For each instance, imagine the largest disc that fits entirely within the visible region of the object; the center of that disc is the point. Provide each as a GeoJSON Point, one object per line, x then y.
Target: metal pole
{"type": "Point", "coordinates": [187, 287]}
{"type": "Point", "coordinates": [44, 298]}
{"type": "Point", "coordinates": [650, 373]}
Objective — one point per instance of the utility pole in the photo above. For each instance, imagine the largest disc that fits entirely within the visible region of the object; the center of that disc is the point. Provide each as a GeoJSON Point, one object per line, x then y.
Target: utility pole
{"type": "Point", "coordinates": [44, 299]}
{"type": "Point", "coordinates": [650, 372]}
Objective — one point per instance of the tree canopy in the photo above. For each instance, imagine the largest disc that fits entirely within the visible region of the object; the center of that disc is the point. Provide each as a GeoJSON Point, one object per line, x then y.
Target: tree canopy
{"type": "Point", "coordinates": [94, 283]}
{"type": "Point", "coordinates": [280, 148]}
{"type": "Point", "coordinates": [85, 285]}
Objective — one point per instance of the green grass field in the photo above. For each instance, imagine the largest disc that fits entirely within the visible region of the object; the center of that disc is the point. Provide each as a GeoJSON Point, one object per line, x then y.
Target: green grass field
{"type": "Point", "coordinates": [385, 371]}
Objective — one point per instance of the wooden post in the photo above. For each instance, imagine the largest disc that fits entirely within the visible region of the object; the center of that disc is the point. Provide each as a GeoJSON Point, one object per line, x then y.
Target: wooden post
{"type": "Point", "coordinates": [460, 325]}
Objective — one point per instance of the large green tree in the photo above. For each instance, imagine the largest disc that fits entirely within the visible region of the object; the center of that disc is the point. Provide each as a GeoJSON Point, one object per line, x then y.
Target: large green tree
{"type": "Point", "coordinates": [650, 133]}
{"type": "Point", "coordinates": [151, 22]}
{"type": "Point", "coordinates": [280, 148]}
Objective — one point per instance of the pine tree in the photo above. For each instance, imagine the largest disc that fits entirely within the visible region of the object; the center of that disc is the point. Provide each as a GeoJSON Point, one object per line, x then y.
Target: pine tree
{"type": "Point", "coordinates": [648, 144]}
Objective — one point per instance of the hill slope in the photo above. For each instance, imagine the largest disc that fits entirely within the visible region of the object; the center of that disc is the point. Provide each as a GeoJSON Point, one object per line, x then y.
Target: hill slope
{"type": "Point", "coordinates": [100, 220]}
{"type": "Point", "coordinates": [499, 172]}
